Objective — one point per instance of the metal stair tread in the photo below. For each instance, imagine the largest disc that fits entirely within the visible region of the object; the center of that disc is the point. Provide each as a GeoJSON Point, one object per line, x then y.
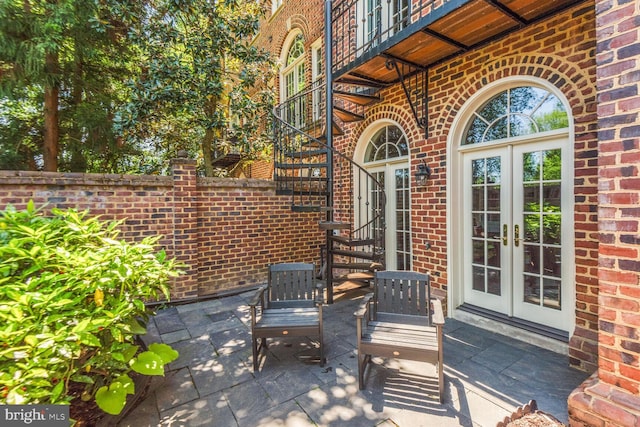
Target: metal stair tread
{"type": "Point", "coordinates": [368, 266]}
{"type": "Point", "coordinates": [310, 208]}
{"type": "Point", "coordinates": [346, 115]}
{"type": "Point", "coordinates": [357, 98]}
{"type": "Point", "coordinates": [356, 254]}
{"type": "Point", "coordinates": [344, 240]}
{"type": "Point", "coordinates": [334, 225]}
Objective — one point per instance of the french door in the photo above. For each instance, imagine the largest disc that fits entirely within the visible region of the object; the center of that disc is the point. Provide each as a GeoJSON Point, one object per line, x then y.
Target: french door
{"type": "Point", "coordinates": [397, 232]}
{"type": "Point", "coordinates": [517, 229]}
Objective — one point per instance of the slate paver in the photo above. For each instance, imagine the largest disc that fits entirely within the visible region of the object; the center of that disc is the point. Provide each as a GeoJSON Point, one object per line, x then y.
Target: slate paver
{"type": "Point", "coordinates": [212, 383]}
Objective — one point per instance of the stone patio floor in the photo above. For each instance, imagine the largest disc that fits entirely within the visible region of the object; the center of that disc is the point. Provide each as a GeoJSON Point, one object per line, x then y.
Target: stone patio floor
{"type": "Point", "coordinates": [487, 375]}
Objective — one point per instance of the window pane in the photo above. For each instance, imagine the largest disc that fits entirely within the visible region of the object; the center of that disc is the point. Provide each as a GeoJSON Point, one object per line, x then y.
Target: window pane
{"type": "Point", "coordinates": [551, 165]}
{"type": "Point", "coordinates": [493, 281]}
{"type": "Point", "coordinates": [517, 111]}
{"type": "Point", "coordinates": [477, 171]}
{"type": "Point", "coordinates": [551, 115]}
{"type": "Point", "coordinates": [388, 142]}
{"type": "Point", "coordinates": [478, 279]}
{"type": "Point", "coordinates": [476, 131]}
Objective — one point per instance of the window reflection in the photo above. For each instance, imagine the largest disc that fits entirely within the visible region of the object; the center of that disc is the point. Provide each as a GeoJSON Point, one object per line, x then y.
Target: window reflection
{"type": "Point", "coordinates": [515, 112]}
{"type": "Point", "coordinates": [388, 142]}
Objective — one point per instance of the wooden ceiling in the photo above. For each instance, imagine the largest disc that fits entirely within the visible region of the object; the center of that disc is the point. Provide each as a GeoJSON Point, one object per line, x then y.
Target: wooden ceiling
{"type": "Point", "coordinates": [466, 25]}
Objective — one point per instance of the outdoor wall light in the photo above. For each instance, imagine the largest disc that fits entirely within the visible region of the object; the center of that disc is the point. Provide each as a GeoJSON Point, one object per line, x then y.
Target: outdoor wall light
{"type": "Point", "coordinates": [423, 173]}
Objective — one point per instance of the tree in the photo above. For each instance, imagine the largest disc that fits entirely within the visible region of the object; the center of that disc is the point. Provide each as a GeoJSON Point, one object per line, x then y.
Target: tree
{"type": "Point", "coordinates": [61, 63]}
{"type": "Point", "coordinates": [204, 88]}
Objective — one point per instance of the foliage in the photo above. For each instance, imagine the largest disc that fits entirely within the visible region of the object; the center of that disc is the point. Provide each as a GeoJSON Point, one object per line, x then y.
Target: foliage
{"type": "Point", "coordinates": [204, 88]}
{"type": "Point", "coordinates": [71, 303]}
{"type": "Point", "coordinates": [74, 54]}
{"type": "Point", "coordinates": [129, 83]}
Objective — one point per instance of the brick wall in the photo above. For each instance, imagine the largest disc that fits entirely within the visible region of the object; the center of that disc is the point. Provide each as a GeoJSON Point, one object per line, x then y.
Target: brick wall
{"type": "Point", "coordinates": [560, 50]}
{"type": "Point", "coordinates": [226, 231]}
{"type": "Point", "coordinates": [611, 396]}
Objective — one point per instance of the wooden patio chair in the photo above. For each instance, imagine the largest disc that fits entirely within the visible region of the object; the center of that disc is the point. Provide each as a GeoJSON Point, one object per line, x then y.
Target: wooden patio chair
{"type": "Point", "coordinates": [400, 320]}
{"type": "Point", "coordinates": [290, 305]}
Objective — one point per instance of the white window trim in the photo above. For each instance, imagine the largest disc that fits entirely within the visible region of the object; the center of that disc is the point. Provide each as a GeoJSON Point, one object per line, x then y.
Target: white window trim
{"type": "Point", "coordinates": [275, 5]}
{"type": "Point", "coordinates": [455, 295]}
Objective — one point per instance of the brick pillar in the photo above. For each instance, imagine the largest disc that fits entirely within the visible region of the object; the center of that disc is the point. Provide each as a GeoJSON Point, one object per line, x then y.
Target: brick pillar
{"type": "Point", "coordinates": [185, 226]}
{"type": "Point", "coordinates": [611, 396]}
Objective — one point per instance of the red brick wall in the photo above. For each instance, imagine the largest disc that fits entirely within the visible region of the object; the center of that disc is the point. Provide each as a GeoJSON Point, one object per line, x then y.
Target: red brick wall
{"type": "Point", "coordinates": [226, 231]}
{"type": "Point", "coordinates": [560, 50]}
{"type": "Point", "coordinates": [611, 398]}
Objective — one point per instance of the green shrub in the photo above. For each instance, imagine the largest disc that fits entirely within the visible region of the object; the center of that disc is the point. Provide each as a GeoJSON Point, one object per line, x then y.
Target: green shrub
{"type": "Point", "coordinates": [72, 300]}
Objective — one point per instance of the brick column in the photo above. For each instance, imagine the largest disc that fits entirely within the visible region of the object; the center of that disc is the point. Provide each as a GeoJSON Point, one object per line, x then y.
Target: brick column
{"type": "Point", "coordinates": [185, 226]}
{"type": "Point", "coordinates": [611, 396]}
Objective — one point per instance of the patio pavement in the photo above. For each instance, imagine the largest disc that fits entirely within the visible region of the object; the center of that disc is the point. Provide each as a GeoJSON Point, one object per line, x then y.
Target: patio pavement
{"type": "Point", "coordinates": [487, 375]}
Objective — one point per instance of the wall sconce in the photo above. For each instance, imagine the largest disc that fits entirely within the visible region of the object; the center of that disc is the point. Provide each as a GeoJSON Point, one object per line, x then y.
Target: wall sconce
{"type": "Point", "coordinates": [423, 173]}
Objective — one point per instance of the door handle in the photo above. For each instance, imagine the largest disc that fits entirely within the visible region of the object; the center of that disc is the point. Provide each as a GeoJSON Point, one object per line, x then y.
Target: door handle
{"type": "Point", "coordinates": [516, 235]}
{"type": "Point", "coordinates": [505, 240]}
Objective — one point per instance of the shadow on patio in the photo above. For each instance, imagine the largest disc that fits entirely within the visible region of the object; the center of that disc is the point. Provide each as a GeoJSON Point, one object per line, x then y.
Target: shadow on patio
{"type": "Point", "coordinates": [212, 383]}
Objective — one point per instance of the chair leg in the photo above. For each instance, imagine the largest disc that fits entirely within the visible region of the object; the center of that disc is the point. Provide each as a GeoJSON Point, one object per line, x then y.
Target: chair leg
{"type": "Point", "coordinates": [255, 353]}
{"type": "Point", "coordinates": [321, 352]}
{"type": "Point", "coordinates": [363, 360]}
{"type": "Point", "coordinates": [441, 381]}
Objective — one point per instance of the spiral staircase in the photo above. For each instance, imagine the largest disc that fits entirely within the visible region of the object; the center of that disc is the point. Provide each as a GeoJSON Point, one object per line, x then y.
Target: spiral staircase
{"type": "Point", "coordinates": [319, 178]}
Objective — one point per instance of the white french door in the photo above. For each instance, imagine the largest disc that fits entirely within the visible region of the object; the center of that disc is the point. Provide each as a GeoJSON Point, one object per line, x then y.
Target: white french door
{"type": "Point", "coordinates": [517, 228]}
{"type": "Point", "coordinates": [397, 215]}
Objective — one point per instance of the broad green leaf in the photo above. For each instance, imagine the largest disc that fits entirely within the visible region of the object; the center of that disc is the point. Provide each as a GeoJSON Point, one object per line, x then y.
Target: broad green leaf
{"type": "Point", "coordinates": [127, 383]}
{"type": "Point", "coordinates": [89, 339]}
{"type": "Point", "coordinates": [148, 363]}
{"type": "Point", "coordinates": [81, 326]}
{"type": "Point", "coordinates": [166, 353]}
{"type": "Point", "coordinates": [136, 328]}
{"type": "Point", "coordinates": [111, 399]}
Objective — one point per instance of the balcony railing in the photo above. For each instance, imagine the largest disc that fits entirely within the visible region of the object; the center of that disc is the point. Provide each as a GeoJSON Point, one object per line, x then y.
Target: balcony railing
{"type": "Point", "coordinates": [361, 26]}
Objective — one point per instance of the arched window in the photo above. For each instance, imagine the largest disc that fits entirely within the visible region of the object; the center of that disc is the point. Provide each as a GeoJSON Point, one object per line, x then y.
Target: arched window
{"type": "Point", "coordinates": [293, 81]}
{"type": "Point", "coordinates": [518, 111]}
{"type": "Point", "coordinates": [388, 142]}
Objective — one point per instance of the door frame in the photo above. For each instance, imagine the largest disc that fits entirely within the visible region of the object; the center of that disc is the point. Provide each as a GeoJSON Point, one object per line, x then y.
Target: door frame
{"type": "Point", "coordinates": [455, 237]}
{"type": "Point", "coordinates": [358, 157]}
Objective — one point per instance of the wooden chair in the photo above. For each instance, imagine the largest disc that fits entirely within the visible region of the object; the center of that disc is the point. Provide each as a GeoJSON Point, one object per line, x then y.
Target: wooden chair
{"type": "Point", "coordinates": [289, 306]}
{"type": "Point", "coordinates": [400, 320]}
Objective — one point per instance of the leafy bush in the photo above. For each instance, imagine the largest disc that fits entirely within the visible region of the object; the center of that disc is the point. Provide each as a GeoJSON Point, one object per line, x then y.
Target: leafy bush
{"type": "Point", "coordinates": [72, 299]}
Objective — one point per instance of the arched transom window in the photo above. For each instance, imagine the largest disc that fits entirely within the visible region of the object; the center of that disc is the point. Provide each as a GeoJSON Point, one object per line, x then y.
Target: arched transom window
{"type": "Point", "coordinates": [388, 142]}
{"type": "Point", "coordinates": [516, 112]}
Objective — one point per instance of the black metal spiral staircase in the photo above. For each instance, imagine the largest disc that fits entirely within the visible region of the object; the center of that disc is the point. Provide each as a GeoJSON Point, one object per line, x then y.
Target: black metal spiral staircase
{"type": "Point", "coordinates": [320, 178]}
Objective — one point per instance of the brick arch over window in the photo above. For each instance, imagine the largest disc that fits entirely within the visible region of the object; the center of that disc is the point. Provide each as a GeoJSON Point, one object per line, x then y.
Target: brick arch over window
{"type": "Point", "coordinates": [391, 112]}
{"type": "Point", "coordinates": [576, 85]}
{"type": "Point", "coordinates": [296, 23]}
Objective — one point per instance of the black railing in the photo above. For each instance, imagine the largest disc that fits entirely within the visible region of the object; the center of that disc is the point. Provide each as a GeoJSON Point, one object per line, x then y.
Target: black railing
{"type": "Point", "coordinates": [358, 26]}
{"type": "Point", "coordinates": [302, 158]}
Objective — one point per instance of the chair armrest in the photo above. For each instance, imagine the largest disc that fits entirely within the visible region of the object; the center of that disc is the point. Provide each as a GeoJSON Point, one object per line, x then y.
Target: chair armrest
{"type": "Point", "coordinates": [364, 306]}
{"type": "Point", "coordinates": [319, 293]}
{"type": "Point", "coordinates": [258, 298]}
{"type": "Point", "coordinates": [438, 316]}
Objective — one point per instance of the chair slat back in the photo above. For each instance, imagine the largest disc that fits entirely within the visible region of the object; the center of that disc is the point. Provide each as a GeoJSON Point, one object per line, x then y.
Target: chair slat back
{"type": "Point", "coordinates": [402, 292]}
{"type": "Point", "coordinates": [291, 282]}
